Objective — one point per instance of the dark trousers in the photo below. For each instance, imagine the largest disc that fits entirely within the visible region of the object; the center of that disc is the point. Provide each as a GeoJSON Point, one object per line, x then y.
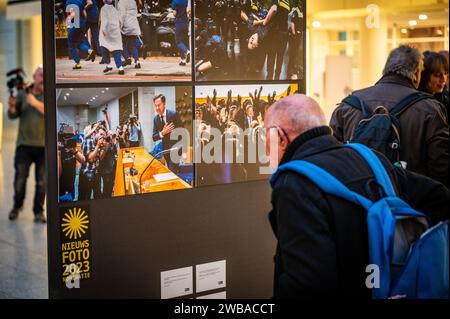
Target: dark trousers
{"type": "Point", "coordinates": [182, 38]}
{"type": "Point", "coordinates": [106, 56]}
{"type": "Point", "coordinates": [130, 47]}
{"type": "Point", "coordinates": [86, 186]}
{"type": "Point", "coordinates": [25, 156]}
{"type": "Point", "coordinates": [93, 26]}
{"type": "Point", "coordinates": [295, 55]}
{"type": "Point", "coordinates": [278, 43]}
{"type": "Point", "coordinates": [108, 185]}
{"type": "Point", "coordinates": [77, 42]}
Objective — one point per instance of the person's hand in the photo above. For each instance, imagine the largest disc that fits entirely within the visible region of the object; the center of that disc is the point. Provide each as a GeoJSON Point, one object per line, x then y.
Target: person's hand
{"type": "Point", "coordinates": [84, 13]}
{"type": "Point", "coordinates": [31, 99]}
{"type": "Point", "coordinates": [167, 129]}
{"type": "Point", "coordinates": [12, 104]}
{"type": "Point", "coordinates": [259, 118]}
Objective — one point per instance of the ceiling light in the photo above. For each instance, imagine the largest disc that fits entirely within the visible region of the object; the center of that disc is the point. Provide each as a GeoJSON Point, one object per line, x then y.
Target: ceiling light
{"type": "Point", "coordinates": [423, 17]}
{"type": "Point", "coordinates": [65, 98]}
{"type": "Point", "coordinates": [103, 91]}
{"type": "Point", "coordinates": [412, 23]}
{"type": "Point", "coordinates": [316, 24]}
{"type": "Point", "coordinates": [67, 94]}
{"type": "Point", "coordinates": [107, 89]}
{"type": "Point", "coordinates": [404, 31]}
{"type": "Point", "coordinates": [71, 89]}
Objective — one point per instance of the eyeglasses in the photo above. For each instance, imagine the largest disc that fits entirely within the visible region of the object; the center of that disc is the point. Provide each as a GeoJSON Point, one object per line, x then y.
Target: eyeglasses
{"type": "Point", "coordinates": [282, 131]}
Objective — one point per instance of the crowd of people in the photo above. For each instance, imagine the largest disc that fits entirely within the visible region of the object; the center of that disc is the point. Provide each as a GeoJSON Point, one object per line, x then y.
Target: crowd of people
{"type": "Point", "coordinates": [115, 28]}
{"type": "Point", "coordinates": [92, 155]}
{"type": "Point", "coordinates": [240, 123]}
{"type": "Point", "coordinates": [249, 39]}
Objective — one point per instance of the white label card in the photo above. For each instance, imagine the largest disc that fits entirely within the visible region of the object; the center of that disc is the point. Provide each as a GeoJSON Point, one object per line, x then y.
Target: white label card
{"type": "Point", "coordinates": [176, 282]}
{"type": "Point", "coordinates": [210, 276]}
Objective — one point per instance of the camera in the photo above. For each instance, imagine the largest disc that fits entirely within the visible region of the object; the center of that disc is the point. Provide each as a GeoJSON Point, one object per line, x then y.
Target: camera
{"type": "Point", "coordinates": [67, 144]}
{"type": "Point", "coordinates": [16, 82]}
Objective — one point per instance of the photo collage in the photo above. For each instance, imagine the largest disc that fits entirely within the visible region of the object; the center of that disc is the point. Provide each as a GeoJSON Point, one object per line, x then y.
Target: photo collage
{"type": "Point", "coordinates": [158, 108]}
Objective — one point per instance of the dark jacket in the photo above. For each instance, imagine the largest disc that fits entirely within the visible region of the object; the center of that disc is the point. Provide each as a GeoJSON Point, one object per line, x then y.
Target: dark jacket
{"type": "Point", "coordinates": [158, 125]}
{"type": "Point", "coordinates": [322, 249]}
{"type": "Point", "coordinates": [424, 135]}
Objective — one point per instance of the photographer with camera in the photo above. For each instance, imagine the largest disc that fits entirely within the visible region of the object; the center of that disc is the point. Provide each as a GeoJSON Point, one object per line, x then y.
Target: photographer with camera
{"type": "Point", "coordinates": [122, 136]}
{"type": "Point", "coordinates": [94, 151]}
{"type": "Point", "coordinates": [107, 167]}
{"type": "Point", "coordinates": [28, 105]}
{"type": "Point", "coordinates": [134, 130]}
{"type": "Point", "coordinates": [68, 156]}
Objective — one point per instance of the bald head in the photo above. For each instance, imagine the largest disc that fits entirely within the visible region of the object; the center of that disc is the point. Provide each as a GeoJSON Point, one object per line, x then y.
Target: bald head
{"type": "Point", "coordinates": [296, 114]}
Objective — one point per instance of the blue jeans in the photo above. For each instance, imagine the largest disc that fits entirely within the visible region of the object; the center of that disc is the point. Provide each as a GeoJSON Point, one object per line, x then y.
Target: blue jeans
{"type": "Point", "coordinates": [25, 156]}
{"type": "Point", "coordinates": [77, 41]}
{"type": "Point", "coordinates": [130, 46]}
{"type": "Point", "coordinates": [182, 39]}
{"type": "Point", "coordinates": [107, 59]}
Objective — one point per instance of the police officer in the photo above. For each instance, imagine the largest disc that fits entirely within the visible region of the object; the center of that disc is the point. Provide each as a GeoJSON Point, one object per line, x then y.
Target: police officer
{"type": "Point", "coordinates": [277, 21]}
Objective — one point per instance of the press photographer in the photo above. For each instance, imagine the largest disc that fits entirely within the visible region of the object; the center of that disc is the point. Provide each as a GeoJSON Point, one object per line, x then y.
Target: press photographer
{"type": "Point", "coordinates": [134, 131]}
{"type": "Point", "coordinates": [28, 106]}
{"type": "Point", "coordinates": [94, 150]}
{"type": "Point", "coordinates": [107, 167]}
{"type": "Point", "coordinates": [68, 156]}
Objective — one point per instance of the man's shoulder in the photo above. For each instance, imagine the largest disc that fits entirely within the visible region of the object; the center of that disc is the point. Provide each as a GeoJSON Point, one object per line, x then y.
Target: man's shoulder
{"type": "Point", "coordinates": [171, 112]}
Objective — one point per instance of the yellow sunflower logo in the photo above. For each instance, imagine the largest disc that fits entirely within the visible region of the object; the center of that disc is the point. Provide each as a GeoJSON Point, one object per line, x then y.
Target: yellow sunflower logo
{"type": "Point", "coordinates": [75, 223]}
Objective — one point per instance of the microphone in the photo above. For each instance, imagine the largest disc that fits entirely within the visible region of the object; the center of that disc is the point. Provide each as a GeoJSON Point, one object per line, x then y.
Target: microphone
{"type": "Point", "coordinates": [173, 149]}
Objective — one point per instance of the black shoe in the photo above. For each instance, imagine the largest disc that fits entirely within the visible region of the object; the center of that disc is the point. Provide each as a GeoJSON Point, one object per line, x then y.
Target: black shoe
{"type": "Point", "coordinates": [91, 56]}
{"type": "Point", "coordinates": [182, 63]}
{"type": "Point", "coordinates": [128, 61]}
{"type": "Point", "coordinates": [137, 66]}
{"type": "Point", "coordinates": [188, 56]}
{"type": "Point", "coordinates": [40, 218]}
{"type": "Point", "coordinates": [13, 214]}
{"type": "Point", "coordinates": [121, 72]}
{"type": "Point", "coordinates": [102, 62]}
{"type": "Point", "coordinates": [108, 69]}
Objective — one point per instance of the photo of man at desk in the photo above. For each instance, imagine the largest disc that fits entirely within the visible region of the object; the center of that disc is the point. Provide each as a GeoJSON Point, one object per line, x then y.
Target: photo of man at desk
{"type": "Point", "coordinates": [118, 140]}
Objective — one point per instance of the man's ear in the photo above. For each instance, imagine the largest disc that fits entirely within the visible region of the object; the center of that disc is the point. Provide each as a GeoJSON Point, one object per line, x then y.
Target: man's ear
{"type": "Point", "coordinates": [282, 139]}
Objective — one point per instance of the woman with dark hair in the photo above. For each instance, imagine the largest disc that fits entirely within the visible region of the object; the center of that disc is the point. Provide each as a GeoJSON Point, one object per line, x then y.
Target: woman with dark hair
{"type": "Point", "coordinates": [434, 75]}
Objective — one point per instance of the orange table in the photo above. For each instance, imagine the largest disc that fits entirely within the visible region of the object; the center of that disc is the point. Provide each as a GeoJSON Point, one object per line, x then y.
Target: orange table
{"type": "Point", "coordinates": [129, 185]}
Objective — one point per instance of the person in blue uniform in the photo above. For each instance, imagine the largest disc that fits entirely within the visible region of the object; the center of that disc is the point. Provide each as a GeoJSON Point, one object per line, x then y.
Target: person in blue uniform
{"type": "Point", "coordinates": [76, 33]}
{"type": "Point", "coordinates": [182, 29]}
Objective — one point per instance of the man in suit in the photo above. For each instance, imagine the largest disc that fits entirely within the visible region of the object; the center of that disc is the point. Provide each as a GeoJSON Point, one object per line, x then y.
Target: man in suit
{"type": "Point", "coordinates": [164, 122]}
{"type": "Point", "coordinates": [249, 116]}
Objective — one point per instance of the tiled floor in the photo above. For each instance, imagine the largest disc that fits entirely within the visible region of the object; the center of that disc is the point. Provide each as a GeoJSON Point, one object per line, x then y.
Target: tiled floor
{"type": "Point", "coordinates": [23, 244]}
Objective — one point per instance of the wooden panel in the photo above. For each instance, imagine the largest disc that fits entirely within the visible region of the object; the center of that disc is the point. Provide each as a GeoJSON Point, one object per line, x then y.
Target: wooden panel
{"type": "Point", "coordinates": [139, 159]}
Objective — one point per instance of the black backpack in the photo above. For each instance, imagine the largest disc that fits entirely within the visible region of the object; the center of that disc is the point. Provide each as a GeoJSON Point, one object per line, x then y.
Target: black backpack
{"type": "Point", "coordinates": [380, 129]}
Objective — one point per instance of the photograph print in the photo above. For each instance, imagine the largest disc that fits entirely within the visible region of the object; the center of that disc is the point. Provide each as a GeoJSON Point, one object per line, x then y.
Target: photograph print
{"type": "Point", "coordinates": [122, 40]}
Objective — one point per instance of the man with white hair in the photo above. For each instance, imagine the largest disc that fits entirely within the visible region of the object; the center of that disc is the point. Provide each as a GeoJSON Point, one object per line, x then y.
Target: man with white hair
{"type": "Point", "coordinates": [28, 105]}
{"type": "Point", "coordinates": [322, 249]}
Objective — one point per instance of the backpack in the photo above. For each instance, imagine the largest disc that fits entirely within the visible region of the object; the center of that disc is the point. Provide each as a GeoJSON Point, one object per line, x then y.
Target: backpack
{"type": "Point", "coordinates": [380, 129]}
{"type": "Point", "coordinates": [411, 255]}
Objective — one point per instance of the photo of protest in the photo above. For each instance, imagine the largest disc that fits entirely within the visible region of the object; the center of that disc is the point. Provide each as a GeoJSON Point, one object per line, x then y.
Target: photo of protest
{"type": "Point", "coordinates": [117, 40]}
{"type": "Point", "coordinates": [229, 131]}
{"type": "Point", "coordinates": [118, 141]}
{"type": "Point", "coordinates": [249, 40]}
